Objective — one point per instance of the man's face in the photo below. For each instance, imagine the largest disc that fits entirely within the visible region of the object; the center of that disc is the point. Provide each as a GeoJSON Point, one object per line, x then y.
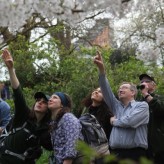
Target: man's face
{"type": "Point", "coordinates": [125, 92]}
{"type": "Point", "coordinates": [149, 83]}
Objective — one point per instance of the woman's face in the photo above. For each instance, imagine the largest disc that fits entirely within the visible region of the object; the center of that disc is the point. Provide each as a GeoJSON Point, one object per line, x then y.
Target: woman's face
{"type": "Point", "coordinates": [54, 102]}
{"type": "Point", "coordinates": [97, 95]}
{"type": "Point", "coordinates": [41, 105]}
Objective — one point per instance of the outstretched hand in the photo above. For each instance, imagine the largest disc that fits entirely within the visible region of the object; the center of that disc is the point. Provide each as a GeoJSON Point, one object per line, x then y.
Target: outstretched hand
{"type": "Point", "coordinates": [99, 62]}
{"type": "Point", "coordinates": [7, 58]}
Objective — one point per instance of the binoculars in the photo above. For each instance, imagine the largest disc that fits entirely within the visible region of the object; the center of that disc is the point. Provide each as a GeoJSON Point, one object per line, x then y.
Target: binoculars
{"type": "Point", "coordinates": [140, 87]}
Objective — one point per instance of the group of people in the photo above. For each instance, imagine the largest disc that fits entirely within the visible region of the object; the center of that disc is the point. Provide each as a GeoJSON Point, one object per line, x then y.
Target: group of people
{"type": "Point", "coordinates": [134, 128]}
{"type": "Point", "coordinates": [49, 124]}
{"type": "Point", "coordinates": [138, 126]}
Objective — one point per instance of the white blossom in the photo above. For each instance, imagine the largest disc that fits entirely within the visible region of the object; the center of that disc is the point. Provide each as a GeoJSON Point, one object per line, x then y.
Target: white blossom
{"type": "Point", "coordinates": [143, 29]}
{"type": "Point", "coordinates": [147, 52]}
{"type": "Point", "coordinates": [160, 35]}
{"type": "Point", "coordinates": [14, 13]}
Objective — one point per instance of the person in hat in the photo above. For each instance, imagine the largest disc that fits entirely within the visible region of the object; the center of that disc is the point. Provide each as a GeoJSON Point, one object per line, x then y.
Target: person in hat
{"type": "Point", "coordinates": [29, 129]}
{"type": "Point", "coordinates": [65, 129]}
{"type": "Point", "coordinates": [156, 122]}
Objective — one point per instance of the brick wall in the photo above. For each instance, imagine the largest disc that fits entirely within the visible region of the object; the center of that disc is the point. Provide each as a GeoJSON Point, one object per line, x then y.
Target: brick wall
{"type": "Point", "coordinates": [102, 38]}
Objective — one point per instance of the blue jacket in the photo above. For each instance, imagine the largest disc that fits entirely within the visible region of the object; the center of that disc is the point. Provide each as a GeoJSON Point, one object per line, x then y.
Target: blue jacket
{"type": "Point", "coordinates": [4, 113]}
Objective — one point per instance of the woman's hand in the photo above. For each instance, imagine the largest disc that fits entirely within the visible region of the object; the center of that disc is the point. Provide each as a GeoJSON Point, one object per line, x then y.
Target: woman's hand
{"type": "Point", "coordinates": [7, 58]}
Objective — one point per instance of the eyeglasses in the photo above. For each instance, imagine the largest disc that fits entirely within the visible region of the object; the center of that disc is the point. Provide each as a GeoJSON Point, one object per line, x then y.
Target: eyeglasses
{"type": "Point", "coordinates": [146, 81]}
{"type": "Point", "coordinates": [124, 87]}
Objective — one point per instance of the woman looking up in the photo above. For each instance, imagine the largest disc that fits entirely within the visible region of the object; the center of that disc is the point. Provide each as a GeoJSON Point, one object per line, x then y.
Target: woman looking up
{"type": "Point", "coordinates": [29, 127]}
{"type": "Point", "coordinates": [96, 106]}
{"type": "Point", "coordinates": [66, 128]}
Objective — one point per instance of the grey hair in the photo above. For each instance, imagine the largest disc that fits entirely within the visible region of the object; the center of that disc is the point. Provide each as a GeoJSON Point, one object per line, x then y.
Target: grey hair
{"type": "Point", "coordinates": [132, 88]}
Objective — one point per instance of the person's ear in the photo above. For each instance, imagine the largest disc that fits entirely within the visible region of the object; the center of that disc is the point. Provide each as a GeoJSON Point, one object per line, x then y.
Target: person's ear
{"type": "Point", "coordinates": [133, 93]}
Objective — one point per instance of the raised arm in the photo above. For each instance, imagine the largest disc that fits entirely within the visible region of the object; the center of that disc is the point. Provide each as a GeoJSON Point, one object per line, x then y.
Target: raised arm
{"type": "Point", "coordinates": [109, 97]}
{"type": "Point", "coordinates": [21, 108]}
{"type": "Point", "coordinates": [8, 60]}
{"type": "Point", "coordinates": [99, 62]}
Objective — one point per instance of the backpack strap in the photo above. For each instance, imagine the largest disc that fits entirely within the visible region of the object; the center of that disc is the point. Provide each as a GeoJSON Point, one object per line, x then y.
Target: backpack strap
{"type": "Point", "coordinates": [20, 156]}
{"type": "Point", "coordinates": [84, 110]}
{"type": "Point", "coordinates": [13, 131]}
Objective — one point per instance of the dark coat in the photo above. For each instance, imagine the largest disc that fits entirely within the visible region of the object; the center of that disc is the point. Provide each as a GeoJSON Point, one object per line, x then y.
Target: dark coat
{"type": "Point", "coordinates": [103, 115]}
{"type": "Point", "coordinates": [156, 124]}
{"type": "Point", "coordinates": [30, 138]}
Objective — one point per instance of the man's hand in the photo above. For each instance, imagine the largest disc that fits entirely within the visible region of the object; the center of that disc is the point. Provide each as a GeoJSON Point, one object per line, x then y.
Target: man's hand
{"type": "Point", "coordinates": [7, 58]}
{"type": "Point", "coordinates": [145, 90]}
{"type": "Point", "coordinates": [99, 62]}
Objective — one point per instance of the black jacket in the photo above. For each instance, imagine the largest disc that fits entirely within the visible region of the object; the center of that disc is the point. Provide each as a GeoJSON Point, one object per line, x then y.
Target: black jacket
{"type": "Point", "coordinates": [103, 115]}
{"type": "Point", "coordinates": [156, 123]}
{"type": "Point", "coordinates": [29, 138]}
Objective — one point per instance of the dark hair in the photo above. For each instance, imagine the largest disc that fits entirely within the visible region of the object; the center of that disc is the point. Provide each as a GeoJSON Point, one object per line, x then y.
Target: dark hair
{"type": "Point", "coordinates": [87, 101]}
{"type": "Point", "coordinates": [102, 113]}
{"type": "Point", "coordinates": [32, 115]}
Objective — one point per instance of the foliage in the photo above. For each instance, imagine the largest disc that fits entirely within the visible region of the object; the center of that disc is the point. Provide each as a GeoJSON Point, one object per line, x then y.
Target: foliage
{"type": "Point", "coordinates": [80, 74]}
{"type": "Point", "coordinates": [121, 55]}
{"type": "Point", "coordinates": [127, 71]}
{"type": "Point", "coordinates": [44, 157]}
{"type": "Point", "coordinates": [89, 154]}
{"type": "Point", "coordinates": [86, 151]}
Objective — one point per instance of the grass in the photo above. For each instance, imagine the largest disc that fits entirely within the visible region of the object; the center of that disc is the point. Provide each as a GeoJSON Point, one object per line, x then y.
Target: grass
{"type": "Point", "coordinates": [44, 157]}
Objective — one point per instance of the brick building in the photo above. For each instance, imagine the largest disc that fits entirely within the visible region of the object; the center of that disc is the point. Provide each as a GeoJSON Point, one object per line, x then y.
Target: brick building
{"type": "Point", "coordinates": [101, 34]}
